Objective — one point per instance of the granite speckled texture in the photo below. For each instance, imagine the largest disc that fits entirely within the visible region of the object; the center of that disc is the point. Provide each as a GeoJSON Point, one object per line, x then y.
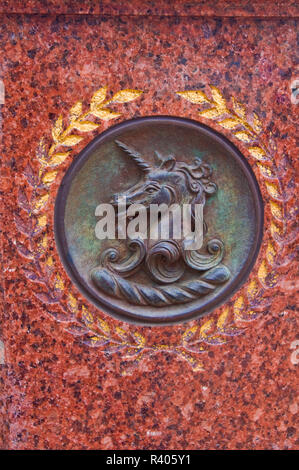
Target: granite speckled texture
{"type": "Point", "coordinates": [59, 393]}
{"type": "Point", "coordinates": [220, 8]}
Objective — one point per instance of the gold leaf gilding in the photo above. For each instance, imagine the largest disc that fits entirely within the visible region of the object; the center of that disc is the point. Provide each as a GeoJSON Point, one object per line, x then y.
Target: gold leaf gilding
{"type": "Point", "coordinates": [58, 283]}
{"type": "Point", "coordinates": [124, 96]}
{"type": "Point", "coordinates": [105, 114]}
{"type": "Point", "coordinates": [210, 113]}
{"type": "Point", "coordinates": [49, 177]}
{"type": "Point", "coordinates": [58, 158]}
{"type": "Point", "coordinates": [103, 325]}
{"type": "Point", "coordinates": [194, 96]}
{"type": "Point", "coordinates": [72, 302]}
{"type": "Point", "coordinates": [41, 202]}
{"type": "Point", "coordinates": [222, 319]}
{"type": "Point", "coordinates": [76, 111]}
{"type": "Point", "coordinates": [252, 289]}
{"type": "Point", "coordinates": [206, 327]}
{"type": "Point", "coordinates": [270, 253]}
{"type": "Point", "coordinates": [262, 272]}
{"type": "Point", "coordinates": [188, 333]}
{"type": "Point", "coordinates": [276, 210]}
{"type": "Point", "coordinates": [257, 125]}
{"type": "Point", "coordinates": [85, 126]}
{"type": "Point", "coordinates": [265, 170]}
{"type": "Point", "coordinates": [273, 190]}
{"type": "Point", "coordinates": [42, 221]}
{"type": "Point", "coordinates": [229, 123]}
{"type": "Point", "coordinates": [98, 98]}
{"type": "Point", "coordinates": [57, 129]}
{"type": "Point", "coordinates": [218, 97]}
{"type": "Point", "coordinates": [258, 153]}
{"type": "Point", "coordinates": [239, 108]}
{"type": "Point", "coordinates": [71, 140]}
{"type": "Point", "coordinates": [243, 136]}
{"type": "Point", "coordinates": [238, 306]}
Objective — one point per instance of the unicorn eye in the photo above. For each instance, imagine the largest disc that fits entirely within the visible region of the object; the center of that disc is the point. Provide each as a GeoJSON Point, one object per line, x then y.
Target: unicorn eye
{"type": "Point", "coordinates": [151, 189]}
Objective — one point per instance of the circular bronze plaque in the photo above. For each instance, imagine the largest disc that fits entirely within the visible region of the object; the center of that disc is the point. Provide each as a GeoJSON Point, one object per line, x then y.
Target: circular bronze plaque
{"type": "Point", "coordinates": [159, 277]}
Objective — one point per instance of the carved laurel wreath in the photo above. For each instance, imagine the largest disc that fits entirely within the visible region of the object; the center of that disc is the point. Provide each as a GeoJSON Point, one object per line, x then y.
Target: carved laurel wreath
{"type": "Point", "coordinates": [74, 315]}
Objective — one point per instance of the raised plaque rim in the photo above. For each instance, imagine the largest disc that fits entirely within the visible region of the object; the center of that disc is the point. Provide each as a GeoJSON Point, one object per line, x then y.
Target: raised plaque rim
{"type": "Point", "coordinates": [108, 307]}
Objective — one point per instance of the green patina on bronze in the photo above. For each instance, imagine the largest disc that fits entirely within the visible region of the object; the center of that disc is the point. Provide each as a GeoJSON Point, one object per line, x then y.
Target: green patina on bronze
{"type": "Point", "coordinates": [233, 214]}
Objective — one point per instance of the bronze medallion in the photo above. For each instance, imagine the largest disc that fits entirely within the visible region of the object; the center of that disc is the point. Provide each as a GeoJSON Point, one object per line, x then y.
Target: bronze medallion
{"type": "Point", "coordinates": [152, 161]}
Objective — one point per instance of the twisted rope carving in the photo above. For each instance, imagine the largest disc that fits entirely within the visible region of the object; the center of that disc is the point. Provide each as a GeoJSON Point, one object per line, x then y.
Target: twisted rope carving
{"type": "Point", "coordinates": [139, 294]}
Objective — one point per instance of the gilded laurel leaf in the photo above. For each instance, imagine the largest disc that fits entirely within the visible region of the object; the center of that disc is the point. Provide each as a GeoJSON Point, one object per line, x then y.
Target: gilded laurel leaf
{"type": "Point", "coordinates": [223, 319]}
{"type": "Point", "coordinates": [206, 327]}
{"type": "Point", "coordinates": [238, 306]}
{"type": "Point", "coordinates": [258, 153]}
{"type": "Point", "coordinates": [188, 334]}
{"type": "Point", "coordinates": [239, 108]}
{"type": "Point", "coordinates": [57, 129]}
{"type": "Point", "coordinates": [262, 272]}
{"type": "Point", "coordinates": [85, 126]}
{"type": "Point", "coordinates": [124, 96]}
{"type": "Point", "coordinates": [122, 333]}
{"type": "Point", "coordinates": [103, 325]}
{"type": "Point", "coordinates": [270, 253]}
{"type": "Point", "coordinates": [98, 98]}
{"type": "Point", "coordinates": [76, 330]}
{"type": "Point", "coordinates": [49, 177]}
{"type": "Point", "coordinates": [252, 290]}
{"type": "Point", "coordinates": [275, 230]}
{"type": "Point", "coordinates": [42, 221]}
{"type": "Point", "coordinates": [43, 244]}
{"type": "Point", "coordinates": [72, 303]}
{"type": "Point", "coordinates": [256, 124]}
{"type": "Point", "coordinates": [194, 96]}
{"type": "Point", "coordinates": [273, 190]}
{"type": "Point", "coordinates": [229, 123]}
{"type": "Point", "coordinates": [76, 111]}
{"type": "Point", "coordinates": [218, 97]}
{"type": "Point", "coordinates": [105, 114]}
{"type": "Point", "coordinates": [41, 153]}
{"type": "Point", "coordinates": [140, 340]}
{"type": "Point", "coordinates": [40, 202]}
{"type": "Point", "coordinates": [194, 363]}
{"type": "Point", "coordinates": [276, 210]}
{"type": "Point", "coordinates": [242, 135]}
{"type": "Point", "coordinates": [71, 140]}
{"type": "Point", "coordinates": [58, 283]}
{"type": "Point", "coordinates": [58, 158]}
{"type": "Point", "coordinates": [96, 341]}
{"type": "Point", "coordinates": [216, 339]}
{"type": "Point", "coordinates": [86, 316]}
{"type": "Point", "coordinates": [266, 170]}
{"type": "Point", "coordinates": [211, 113]}
{"type": "Point", "coordinates": [195, 348]}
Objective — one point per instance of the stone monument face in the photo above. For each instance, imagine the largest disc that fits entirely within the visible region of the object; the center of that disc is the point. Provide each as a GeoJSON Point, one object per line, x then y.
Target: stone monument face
{"type": "Point", "coordinates": [149, 225]}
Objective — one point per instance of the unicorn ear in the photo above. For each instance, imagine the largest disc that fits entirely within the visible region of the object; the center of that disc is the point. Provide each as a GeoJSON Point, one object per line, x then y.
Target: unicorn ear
{"type": "Point", "coordinates": [168, 164]}
{"type": "Point", "coordinates": [159, 157]}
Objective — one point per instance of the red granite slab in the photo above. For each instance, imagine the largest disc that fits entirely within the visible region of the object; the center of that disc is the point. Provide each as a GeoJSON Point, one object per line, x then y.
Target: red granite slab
{"type": "Point", "coordinates": [218, 8]}
{"type": "Point", "coordinates": [240, 391]}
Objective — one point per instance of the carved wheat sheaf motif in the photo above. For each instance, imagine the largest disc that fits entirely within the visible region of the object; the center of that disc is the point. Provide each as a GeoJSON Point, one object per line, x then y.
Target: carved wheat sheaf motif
{"type": "Point", "coordinates": [75, 316]}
